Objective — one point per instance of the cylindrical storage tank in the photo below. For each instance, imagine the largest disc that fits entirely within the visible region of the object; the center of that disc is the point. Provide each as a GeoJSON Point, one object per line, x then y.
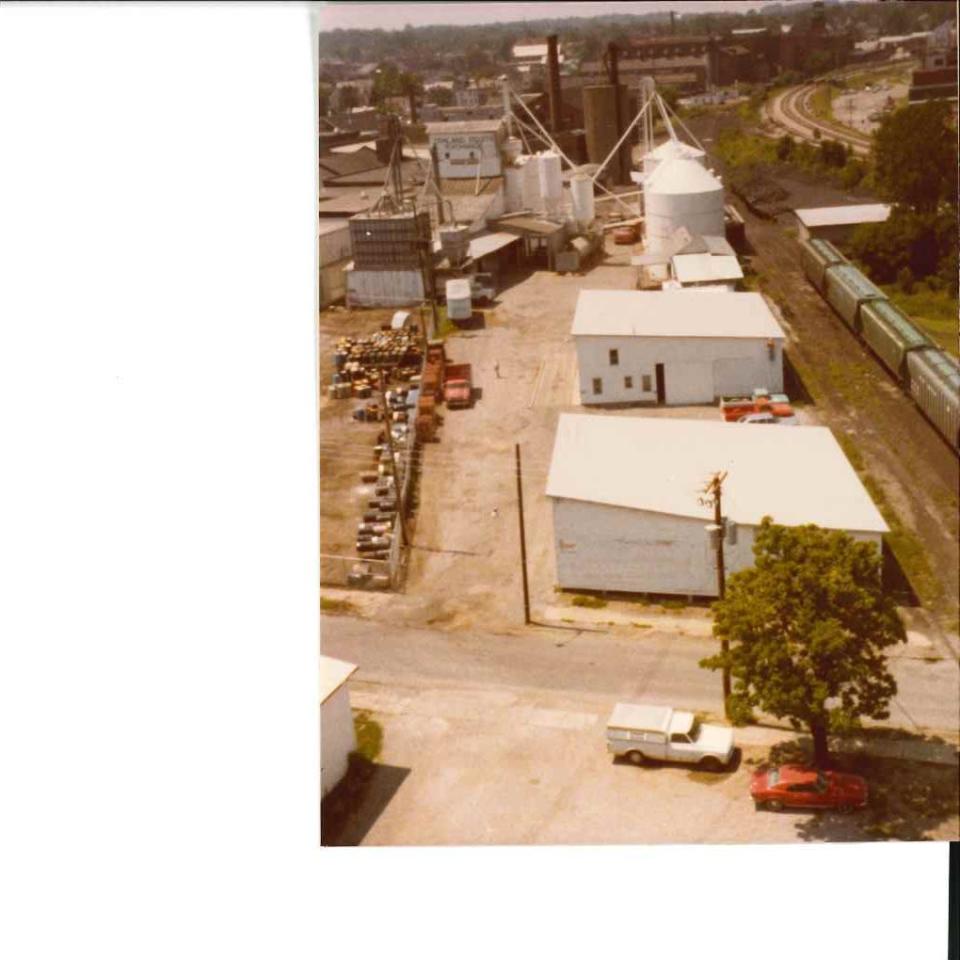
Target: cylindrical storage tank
{"type": "Point", "coordinates": [512, 147]}
{"type": "Point", "coordinates": [513, 188]}
{"type": "Point", "coordinates": [672, 150]}
{"type": "Point", "coordinates": [454, 243]}
{"type": "Point", "coordinates": [531, 184]}
{"type": "Point", "coordinates": [600, 121]}
{"type": "Point", "coordinates": [581, 196]}
{"type": "Point", "coordinates": [551, 182]}
{"type": "Point", "coordinates": [681, 193]}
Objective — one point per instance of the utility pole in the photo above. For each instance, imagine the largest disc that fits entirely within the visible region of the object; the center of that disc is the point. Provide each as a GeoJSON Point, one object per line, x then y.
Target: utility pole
{"type": "Point", "coordinates": [397, 484]}
{"type": "Point", "coordinates": [713, 493]}
{"type": "Point", "coordinates": [523, 542]}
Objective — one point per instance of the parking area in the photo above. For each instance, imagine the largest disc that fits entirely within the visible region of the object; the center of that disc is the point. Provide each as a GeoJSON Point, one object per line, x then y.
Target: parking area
{"type": "Point", "coordinates": [501, 765]}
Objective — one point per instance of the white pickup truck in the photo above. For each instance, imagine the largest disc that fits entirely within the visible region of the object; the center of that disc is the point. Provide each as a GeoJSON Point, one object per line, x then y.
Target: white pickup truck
{"type": "Point", "coordinates": [640, 732]}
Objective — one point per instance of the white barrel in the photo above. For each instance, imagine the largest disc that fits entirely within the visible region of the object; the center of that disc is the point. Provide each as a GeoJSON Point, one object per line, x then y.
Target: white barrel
{"type": "Point", "coordinates": [551, 182]}
{"type": "Point", "coordinates": [581, 197]}
{"type": "Point", "coordinates": [681, 193]}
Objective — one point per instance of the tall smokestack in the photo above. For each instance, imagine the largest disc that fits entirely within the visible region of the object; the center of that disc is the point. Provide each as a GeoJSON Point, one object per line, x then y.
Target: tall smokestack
{"type": "Point", "coordinates": [553, 83]}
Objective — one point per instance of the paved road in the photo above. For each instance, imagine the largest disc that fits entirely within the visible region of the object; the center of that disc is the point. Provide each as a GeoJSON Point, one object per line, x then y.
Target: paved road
{"type": "Point", "coordinates": [655, 666]}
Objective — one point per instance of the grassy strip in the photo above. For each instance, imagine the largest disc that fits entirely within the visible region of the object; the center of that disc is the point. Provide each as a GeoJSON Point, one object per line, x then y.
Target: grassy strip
{"type": "Point", "coordinates": [821, 102]}
{"type": "Point", "coordinates": [333, 605]}
{"type": "Point", "coordinates": [593, 603]}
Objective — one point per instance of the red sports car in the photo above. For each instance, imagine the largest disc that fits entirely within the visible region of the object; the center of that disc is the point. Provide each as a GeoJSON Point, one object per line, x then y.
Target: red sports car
{"type": "Point", "coordinates": [790, 785]}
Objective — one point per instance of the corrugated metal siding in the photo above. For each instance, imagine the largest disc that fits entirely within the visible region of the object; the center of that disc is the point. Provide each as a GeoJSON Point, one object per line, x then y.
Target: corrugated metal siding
{"type": "Point", "coordinates": [846, 289]}
{"type": "Point", "coordinates": [816, 256]}
{"type": "Point", "coordinates": [890, 334]}
{"type": "Point", "coordinates": [384, 288]}
{"type": "Point", "coordinates": [935, 385]}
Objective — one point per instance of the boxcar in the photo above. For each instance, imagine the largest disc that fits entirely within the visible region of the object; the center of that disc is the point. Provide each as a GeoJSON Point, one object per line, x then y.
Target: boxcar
{"type": "Point", "coordinates": [891, 336]}
{"type": "Point", "coordinates": [847, 289]}
{"type": "Point", "coordinates": [935, 386]}
{"type": "Point", "coordinates": [816, 256]}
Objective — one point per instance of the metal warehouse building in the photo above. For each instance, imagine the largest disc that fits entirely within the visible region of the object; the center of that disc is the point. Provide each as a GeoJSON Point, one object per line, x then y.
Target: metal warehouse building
{"type": "Point", "coordinates": [837, 223]}
{"type": "Point", "coordinates": [625, 495]}
{"type": "Point", "coordinates": [674, 346]}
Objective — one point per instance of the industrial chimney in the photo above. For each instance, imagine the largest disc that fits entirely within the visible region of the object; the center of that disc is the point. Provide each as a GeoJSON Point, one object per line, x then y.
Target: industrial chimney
{"type": "Point", "coordinates": [553, 84]}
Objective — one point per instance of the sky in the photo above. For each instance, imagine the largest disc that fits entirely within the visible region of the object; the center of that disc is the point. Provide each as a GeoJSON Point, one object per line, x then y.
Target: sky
{"type": "Point", "coordinates": [394, 16]}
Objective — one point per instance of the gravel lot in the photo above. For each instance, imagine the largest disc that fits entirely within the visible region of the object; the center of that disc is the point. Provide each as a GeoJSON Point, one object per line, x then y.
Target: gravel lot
{"type": "Point", "coordinates": [467, 764]}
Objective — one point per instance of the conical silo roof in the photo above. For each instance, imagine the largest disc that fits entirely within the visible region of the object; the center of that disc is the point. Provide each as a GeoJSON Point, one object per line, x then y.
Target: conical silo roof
{"type": "Point", "coordinates": [682, 176]}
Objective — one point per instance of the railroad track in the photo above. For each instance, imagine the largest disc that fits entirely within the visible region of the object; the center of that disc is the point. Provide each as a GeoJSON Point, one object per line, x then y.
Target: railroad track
{"type": "Point", "coordinates": [791, 110]}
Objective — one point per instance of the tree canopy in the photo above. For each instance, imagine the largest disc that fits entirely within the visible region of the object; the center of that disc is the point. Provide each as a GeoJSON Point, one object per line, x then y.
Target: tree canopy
{"type": "Point", "coordinates": [915, 152]}
{"type": "Point", "coordinates": [807, 626]}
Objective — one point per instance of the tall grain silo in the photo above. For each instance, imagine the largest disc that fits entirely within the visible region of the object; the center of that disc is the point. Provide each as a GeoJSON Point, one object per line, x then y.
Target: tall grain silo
{"type": "Point", "coordinates": [681, 193]}
{"type": "Point", "coordinates": [600, 122]}
{"type": "Point", "coordinates": [672, 150]}
{"type": "Point", "coordinates": [581, 196]}
{"type": "Point", "coordinates": [551, 182]}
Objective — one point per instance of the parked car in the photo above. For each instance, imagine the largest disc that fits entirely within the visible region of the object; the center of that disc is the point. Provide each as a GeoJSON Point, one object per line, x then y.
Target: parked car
{"type": "Point", "coordinates": [791, 785]}
{"type": "Point", "coordinates": [757, 418]}
{"type": "Point", "coordinates": [639, 732]}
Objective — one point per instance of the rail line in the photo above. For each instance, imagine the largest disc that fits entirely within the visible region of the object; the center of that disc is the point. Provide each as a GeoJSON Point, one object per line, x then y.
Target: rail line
{"type": "Point", "coordinates": [791, 110]}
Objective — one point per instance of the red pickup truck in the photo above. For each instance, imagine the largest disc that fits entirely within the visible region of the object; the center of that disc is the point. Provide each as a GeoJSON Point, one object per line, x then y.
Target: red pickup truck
{"type": "Point", "coordinates": [458, 386]}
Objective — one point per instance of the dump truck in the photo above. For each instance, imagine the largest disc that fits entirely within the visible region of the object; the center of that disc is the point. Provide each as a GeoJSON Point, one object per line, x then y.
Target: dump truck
{"type": "Point", "coordinates": [458, 386]}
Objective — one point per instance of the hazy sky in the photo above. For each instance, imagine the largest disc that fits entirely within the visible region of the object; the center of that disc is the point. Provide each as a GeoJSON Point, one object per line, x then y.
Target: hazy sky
{"type": "Point", "coordinates": [392, 16]}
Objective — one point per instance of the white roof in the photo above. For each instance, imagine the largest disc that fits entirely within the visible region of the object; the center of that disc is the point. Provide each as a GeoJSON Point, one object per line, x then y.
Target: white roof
{"type": "Point", "coordinates": [682, 176]}
{"type": "Point", "coordinates": [333, 675]}
{"type": "Point", "coordinates": [838, 216]}
{"type": "Point", "coordinates": [458, 289]}
{"type": "Point", "coordinates": [675, 149]}
{"type": "Point", "coordinates": [491, 242]}
{"type": "Point", "coordinates": [796, 475]}
{"type": "Point", "coordinates": [705, 267]}
{"type": "Point", "coordinates": [636, 716]}
{"type": "Point", "coordinates": [672, 313]}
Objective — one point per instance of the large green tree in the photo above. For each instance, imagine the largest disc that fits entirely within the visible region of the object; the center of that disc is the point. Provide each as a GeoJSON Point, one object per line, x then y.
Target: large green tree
{"type": "Point", "coordinates": [915, 151]}
{"type": "Point", "coordinates": [806, 627]}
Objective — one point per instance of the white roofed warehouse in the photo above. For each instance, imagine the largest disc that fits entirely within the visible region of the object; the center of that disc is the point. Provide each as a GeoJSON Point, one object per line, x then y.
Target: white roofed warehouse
{"type": "Point", "coordinates": [837, 223]}
{"type": "Point", "coordinates": [674, 346]}
{"type": "Point", "coordinates": [624, 491]}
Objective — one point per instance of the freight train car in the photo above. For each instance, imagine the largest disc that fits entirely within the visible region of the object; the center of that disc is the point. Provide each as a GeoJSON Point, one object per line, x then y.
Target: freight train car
{"type": "Point", "coordinates": [930, 376]}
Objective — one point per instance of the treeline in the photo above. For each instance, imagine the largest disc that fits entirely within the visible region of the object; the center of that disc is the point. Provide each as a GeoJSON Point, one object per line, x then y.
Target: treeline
{"type": "Point", "coordinates": [482, 46]}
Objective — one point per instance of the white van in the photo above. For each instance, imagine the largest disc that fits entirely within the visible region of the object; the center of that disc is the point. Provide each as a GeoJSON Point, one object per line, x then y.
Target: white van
{"type": "Point", "coordinates": [639, 732]}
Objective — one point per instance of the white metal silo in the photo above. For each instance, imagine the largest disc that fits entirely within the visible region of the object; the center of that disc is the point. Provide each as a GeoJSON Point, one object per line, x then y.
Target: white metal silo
{"type": "Point", "coordinates": [681, 193]}
{"type": "Point", "coordinates": [551, 182]}
{"type": "Point", "coordinates": [581, 197]}
{"type": "Point", "coordinates": [671, 150]}
{"type": "Point", "coordinates": [530, 182]}
{"type": "Point", "coordinates": [513, 188]}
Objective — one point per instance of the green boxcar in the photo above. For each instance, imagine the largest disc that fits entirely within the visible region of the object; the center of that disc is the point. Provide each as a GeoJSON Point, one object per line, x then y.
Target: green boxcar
{"type": "Point", "coordinates": [847, 289]}
{"type": "Point", "coordinates": [935, 386]}
{"type": "Point", "coordinates": [891, 335]}
{"type": "Point", "coordinates": [816, 256]}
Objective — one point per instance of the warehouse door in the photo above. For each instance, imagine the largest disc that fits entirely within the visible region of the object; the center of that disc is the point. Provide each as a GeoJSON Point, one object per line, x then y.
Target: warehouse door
{"type": "Point", "coordinates": [661, 385]}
